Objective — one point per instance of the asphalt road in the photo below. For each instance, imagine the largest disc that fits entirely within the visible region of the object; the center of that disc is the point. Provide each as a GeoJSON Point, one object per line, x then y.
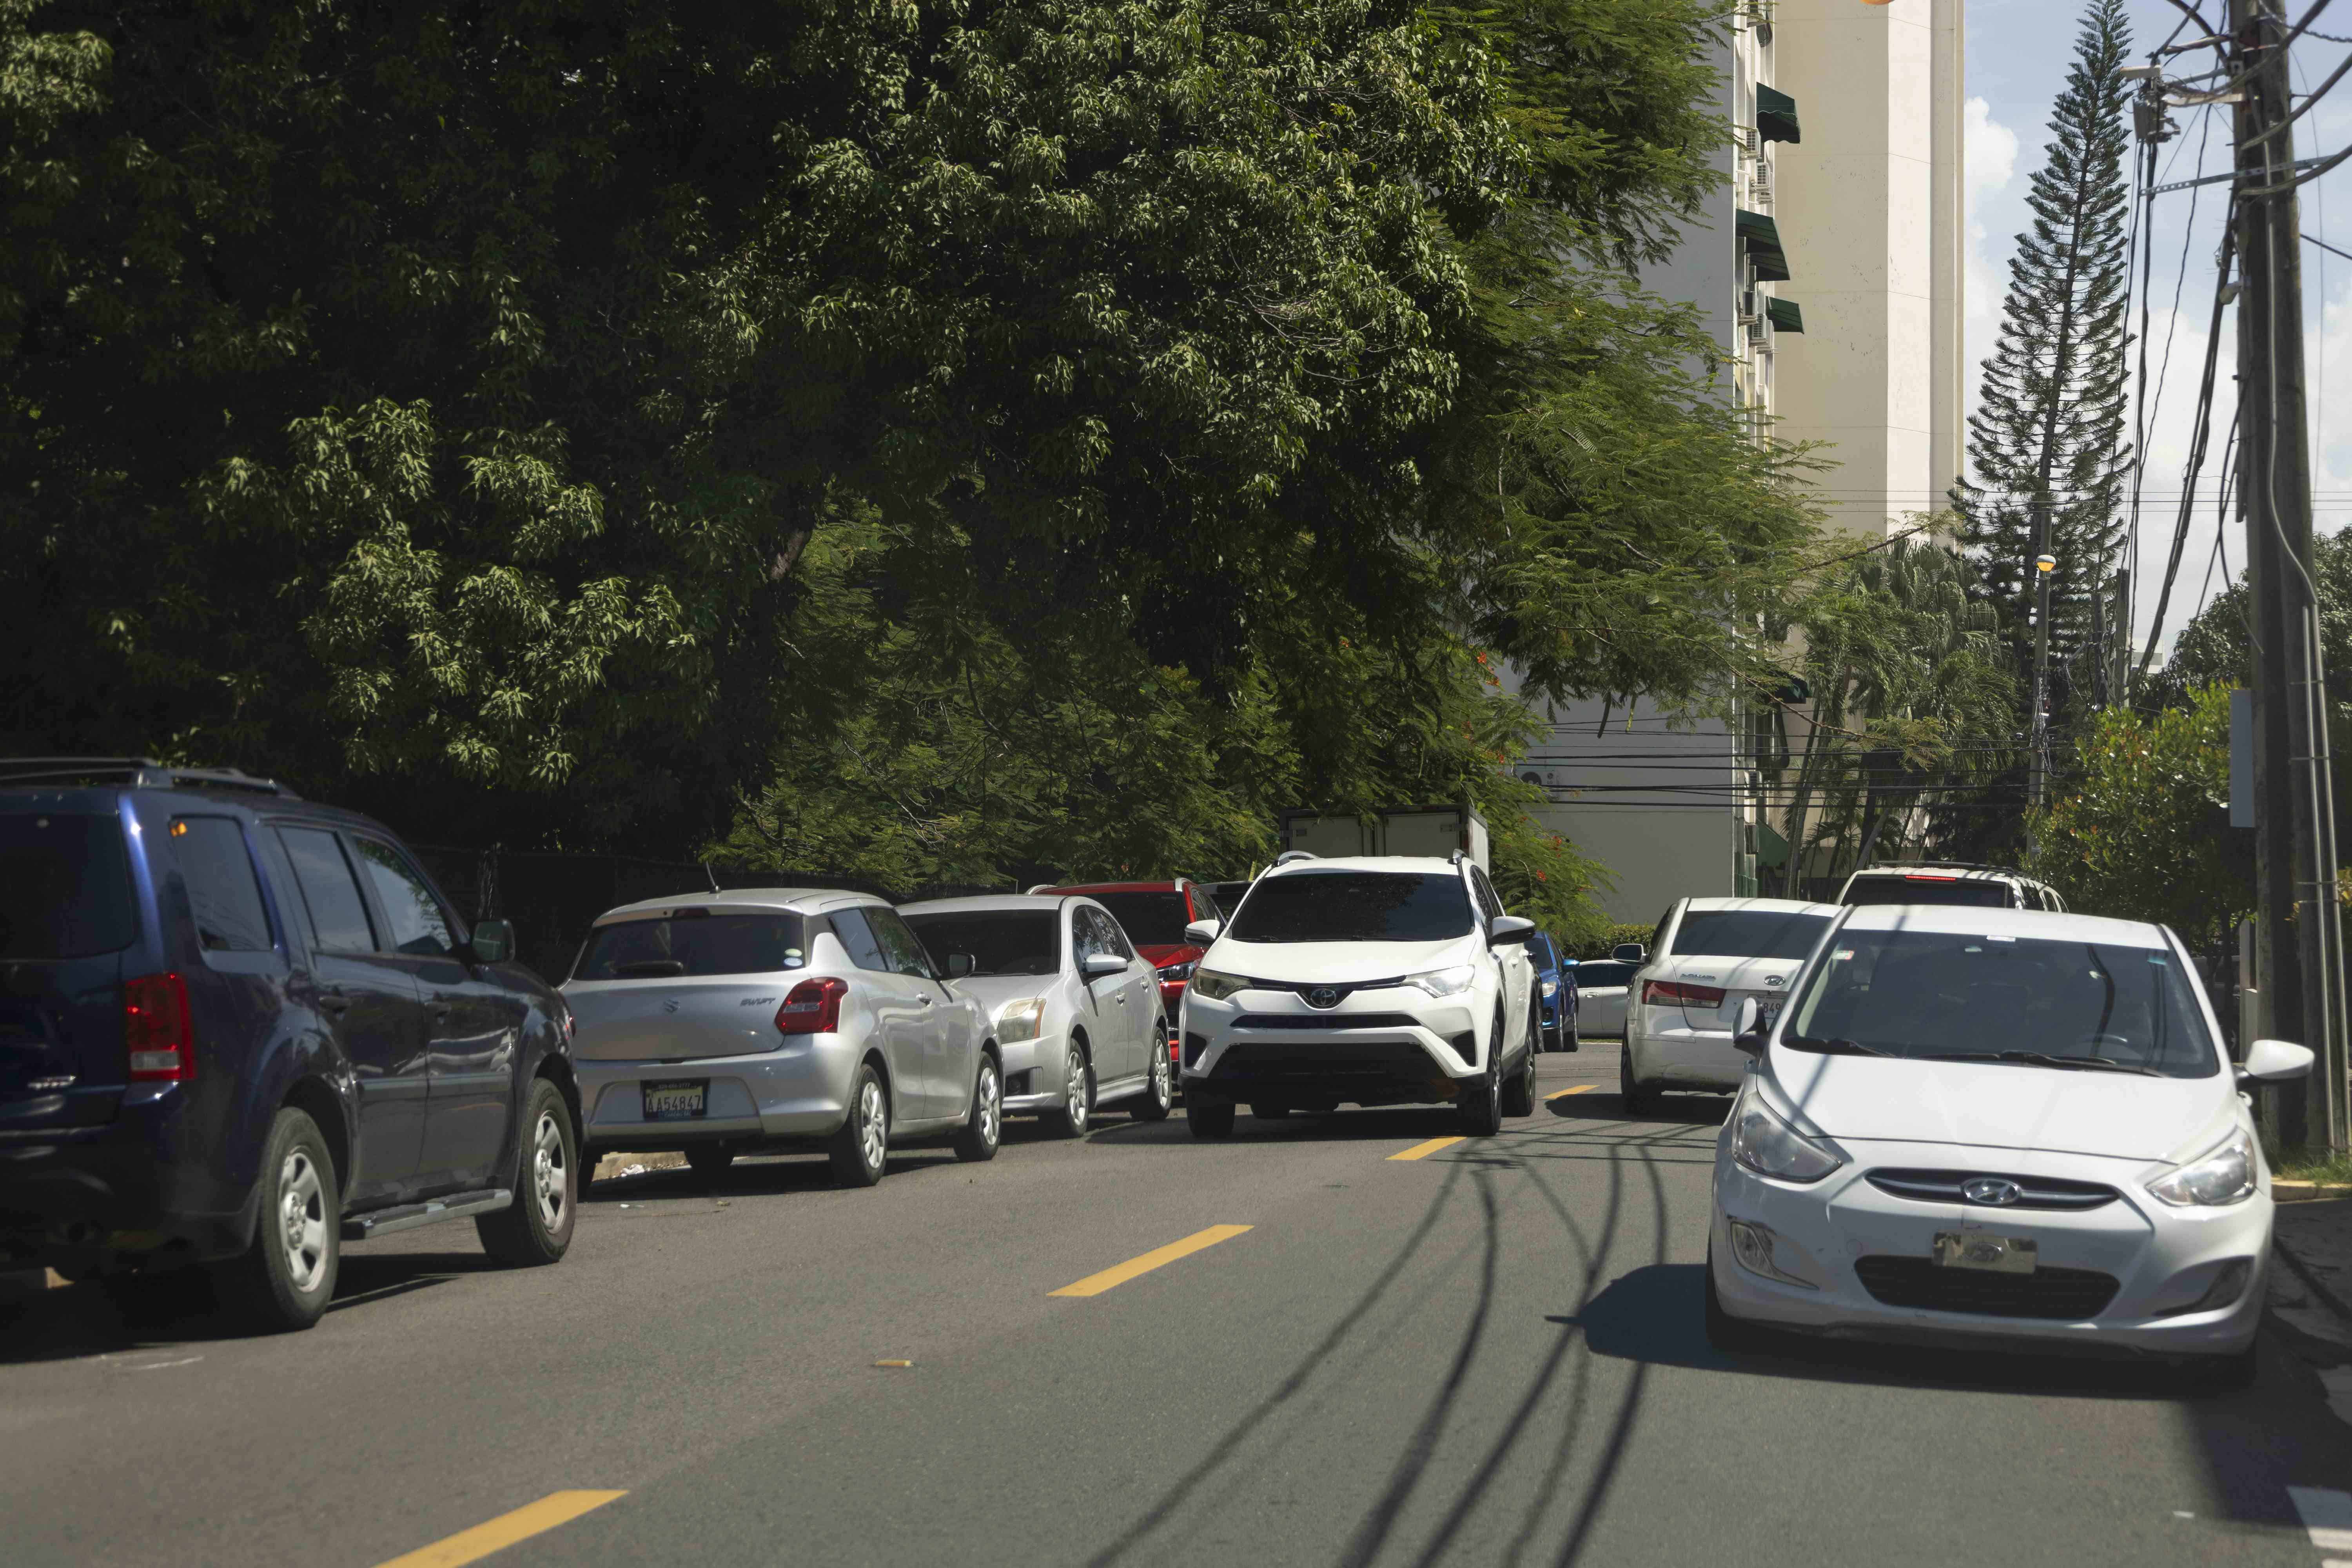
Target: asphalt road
{"type": "Point", "coordinates": [1490, 1354]}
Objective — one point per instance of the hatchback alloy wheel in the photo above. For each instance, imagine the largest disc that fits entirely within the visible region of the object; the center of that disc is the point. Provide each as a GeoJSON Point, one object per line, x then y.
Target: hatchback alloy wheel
{"type": "Point", "coordinates": [873, 1124]}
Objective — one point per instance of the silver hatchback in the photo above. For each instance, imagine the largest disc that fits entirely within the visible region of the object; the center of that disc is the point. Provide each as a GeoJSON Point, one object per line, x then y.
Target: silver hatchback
{"type": "Point", "coordinates": [759, 1020]}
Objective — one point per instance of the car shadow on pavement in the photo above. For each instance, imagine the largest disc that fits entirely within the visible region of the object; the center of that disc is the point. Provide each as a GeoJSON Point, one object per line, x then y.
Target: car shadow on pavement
{"type": "Point", "coordinates": [756, 1175]}
{"type": "Point", "coordinates": [185, 1306]}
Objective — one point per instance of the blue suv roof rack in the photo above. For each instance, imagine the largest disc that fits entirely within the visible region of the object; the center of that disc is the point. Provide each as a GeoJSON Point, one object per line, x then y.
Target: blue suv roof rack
{"type": "Point", "coordinates": [138, 772]}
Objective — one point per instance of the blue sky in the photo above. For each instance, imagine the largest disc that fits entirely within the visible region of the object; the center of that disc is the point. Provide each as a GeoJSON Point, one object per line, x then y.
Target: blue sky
{"type": "Point", "coordinates": [2019, 54]}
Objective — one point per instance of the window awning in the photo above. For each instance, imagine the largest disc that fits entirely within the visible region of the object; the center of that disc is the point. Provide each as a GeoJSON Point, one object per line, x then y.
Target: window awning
{"type": "Point", "coordinates": [1784, 314]}
{"type": "Point", "coordinates": [1761, 239]}
{"type": "Point", "coordinates": [1776, 115]}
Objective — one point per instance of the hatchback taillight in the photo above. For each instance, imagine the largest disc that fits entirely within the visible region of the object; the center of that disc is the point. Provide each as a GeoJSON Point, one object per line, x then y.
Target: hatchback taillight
{"type": "Point", "coordinates": [812, 1008]}
{"type": "Point", "coordinates": [1673, 991]}
{"type": "Point", "coordinates": [157, 1029]}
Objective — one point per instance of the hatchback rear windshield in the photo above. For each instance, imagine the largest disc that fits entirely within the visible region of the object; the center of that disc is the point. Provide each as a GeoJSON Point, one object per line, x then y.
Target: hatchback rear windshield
{"type": "Point", "coordinates": [1354, 905]}
{"type": "Point", "coordinates": [1150, 920]}
{"type": "Point", "coordinates": [1938, 996]}
{"type": "Point", "coordinates": [1746, 933]}
{"type": "Point", "coordinates": [1000, 942]}
{"type": "Point", "coordinates": [693, 945]}
{"type": "Point", "coordinates": [1972, 893]}
{"type": "Point", "coordinates": [65, 886]}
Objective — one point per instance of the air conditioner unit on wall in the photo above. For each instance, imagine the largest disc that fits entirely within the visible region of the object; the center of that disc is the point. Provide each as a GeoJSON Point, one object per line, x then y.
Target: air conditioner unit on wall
{"type": "Point", "coordinates": [1760, 332]}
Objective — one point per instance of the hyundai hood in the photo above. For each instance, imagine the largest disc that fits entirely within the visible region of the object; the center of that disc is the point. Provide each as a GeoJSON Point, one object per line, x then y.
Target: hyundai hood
{"type": "Point", "coordinates": [2000, 1106]}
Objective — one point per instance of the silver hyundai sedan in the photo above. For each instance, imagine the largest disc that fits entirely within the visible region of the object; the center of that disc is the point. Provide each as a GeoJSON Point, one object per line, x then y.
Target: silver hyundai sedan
{"type": "Point", "coordinates": [762, 1020]}
{"type": "Point", "coordinates": [1073, 1007]}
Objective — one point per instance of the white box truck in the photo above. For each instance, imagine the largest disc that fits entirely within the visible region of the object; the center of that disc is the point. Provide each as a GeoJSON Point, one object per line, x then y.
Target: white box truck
{"type": "Point", "coordinates": [1434, 830]}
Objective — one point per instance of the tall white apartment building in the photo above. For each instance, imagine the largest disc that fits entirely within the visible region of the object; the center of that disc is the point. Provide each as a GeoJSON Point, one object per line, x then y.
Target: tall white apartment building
{"type": "Point", "coordinates": [1830, 262]}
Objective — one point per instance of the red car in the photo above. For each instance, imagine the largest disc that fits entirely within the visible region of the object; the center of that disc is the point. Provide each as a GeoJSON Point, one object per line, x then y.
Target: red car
{"type": "Point", "coordinates": [1154, 915]}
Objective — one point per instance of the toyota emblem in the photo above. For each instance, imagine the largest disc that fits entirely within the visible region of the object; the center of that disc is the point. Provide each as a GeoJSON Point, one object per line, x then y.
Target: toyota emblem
{"type": "Point", "coordinates": [1993, 1190]}
{"type": "Point", "coordinates": [1323, 996]}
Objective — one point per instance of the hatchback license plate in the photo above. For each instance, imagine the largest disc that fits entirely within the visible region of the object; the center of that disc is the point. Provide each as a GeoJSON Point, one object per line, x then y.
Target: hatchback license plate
{"type": "Point", "coordinates": [1993, 1254]}
{"type": "Point", "coordinates": [678, 1099]}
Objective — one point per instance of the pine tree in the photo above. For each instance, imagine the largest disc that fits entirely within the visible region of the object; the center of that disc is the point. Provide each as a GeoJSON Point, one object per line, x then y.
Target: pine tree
{"type": "Point", "coordinates": [2049, 429]}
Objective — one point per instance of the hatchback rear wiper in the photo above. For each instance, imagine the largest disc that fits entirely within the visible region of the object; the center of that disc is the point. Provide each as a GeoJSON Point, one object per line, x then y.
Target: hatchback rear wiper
{"type": "Point", "coordinates": [1836, 1047]}
{"type": "Point", "coordinates": [2039, 1059]}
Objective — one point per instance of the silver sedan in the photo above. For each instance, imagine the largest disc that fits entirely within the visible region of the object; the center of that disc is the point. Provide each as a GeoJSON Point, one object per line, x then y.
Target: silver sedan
{"type": "Point", "coordinates": [1071, 1005]}
{"type": "Point", "coordinates": [765, 1019]}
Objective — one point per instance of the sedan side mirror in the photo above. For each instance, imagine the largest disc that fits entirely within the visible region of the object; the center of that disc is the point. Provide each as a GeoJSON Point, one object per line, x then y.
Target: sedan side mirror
{"type": "Point", "coordinates": [958, 965]}
{"type": "Point", "coordinates": [2274, 1059]}
{"type": "Point", "coordinates": [1748, 1027]}
{"type": "Point", "coordinates": [494, 943]}
{"type": "Point", "coordinates": [1099, 964]}
{"type": "Point", "coordinates": [1629, 953]}
{"type": "Point", "coordinates": [1200, 933]}
{"type": "Point", "coordinates": [1509, 929]}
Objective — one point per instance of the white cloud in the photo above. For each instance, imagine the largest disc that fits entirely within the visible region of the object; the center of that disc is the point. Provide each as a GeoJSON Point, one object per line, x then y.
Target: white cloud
{"type": "Point", "coordinates": [1989, 155]}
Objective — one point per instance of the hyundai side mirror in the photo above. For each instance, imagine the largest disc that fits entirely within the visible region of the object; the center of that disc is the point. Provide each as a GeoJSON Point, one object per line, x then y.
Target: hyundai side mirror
{"type": "Point", "coordinates": [1099, 964]}
{"type": "Point", "coordinates": [2271, 1060]}
{"type": "Point", "coordinates": [1748, 1027]}
{"type": "Point", "coordinates": [1629, 953]}
{"type": "Point", "coordinates": [1200, 933]}
{"type": "Point", "coordinates": [1509, 929]}
{"type": "Point", "coordinates": [493, 942]}
{"type": "Point", "coordinates": [958, 965]}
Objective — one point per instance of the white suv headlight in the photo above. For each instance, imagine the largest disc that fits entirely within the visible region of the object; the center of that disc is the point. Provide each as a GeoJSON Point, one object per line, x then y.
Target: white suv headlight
{"type": "Point", "coordinates": [1216, 987]}
{"type": "Point", "coordinates": [1444, 981]}
{"type": "Point", "coordinates": [1021, 1020]}
{"type": "Point", "coordinates": [2221, 1176]}
{"type": "Point", "coordinates": [1768, 1146]}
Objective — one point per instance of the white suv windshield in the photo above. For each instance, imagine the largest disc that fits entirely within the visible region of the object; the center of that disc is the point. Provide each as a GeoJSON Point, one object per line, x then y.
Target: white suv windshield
{"type": "Point", "coordinates": [1941, 996]}
{"type": "Point", "coordinates": [1354, 905]}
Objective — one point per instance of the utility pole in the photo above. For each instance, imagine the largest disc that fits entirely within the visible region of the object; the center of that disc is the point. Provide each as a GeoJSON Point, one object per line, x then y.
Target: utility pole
{"type": "Point", "coordinates": [2038, 786]}
{"type": "Point", "coordinates": [2299, 936]}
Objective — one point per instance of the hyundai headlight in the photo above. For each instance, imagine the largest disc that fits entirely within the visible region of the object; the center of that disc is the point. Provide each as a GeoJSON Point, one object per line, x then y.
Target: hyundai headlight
{"type": "Point", "coordinates": [2222, 1176]}
{"type": "Point", "coordinates": [1767, 1145]}
{"type": "Point", "coordinates": [1021, 1020]}
{"type": "Point", "coordinates": [1216, 987]}
{"type": "Point", "coordinates": [1444, 981]}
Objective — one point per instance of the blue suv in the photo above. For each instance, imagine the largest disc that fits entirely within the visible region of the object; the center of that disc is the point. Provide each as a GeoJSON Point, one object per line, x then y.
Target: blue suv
{"type": "Point", "coordinates": [236, 1028]}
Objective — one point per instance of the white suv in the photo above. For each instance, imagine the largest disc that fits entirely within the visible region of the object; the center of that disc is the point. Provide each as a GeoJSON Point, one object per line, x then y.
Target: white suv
{"type": "Point", "coordinates": [1367, 981]}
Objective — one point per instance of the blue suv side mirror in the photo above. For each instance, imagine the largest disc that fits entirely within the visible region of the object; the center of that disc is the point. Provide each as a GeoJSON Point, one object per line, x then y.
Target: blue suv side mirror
{"type": "Point", "coordinates": [493, 942]}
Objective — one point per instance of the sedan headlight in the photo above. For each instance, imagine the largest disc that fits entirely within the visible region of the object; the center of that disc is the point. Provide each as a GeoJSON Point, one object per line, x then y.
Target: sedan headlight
{"type": "Point", "coordinates": [1216, 987]}
{"type": "Point", "coordinates": [1021, 1020]}
{"type": "Point", "coordinates": [2224, 1175]}
{"type": "Point", "coordinates": [1175, 972]}
{"type": "Point", "coordinates": [1444, 981]}
{"type": "Point", "coordinates": [1768, 1146]}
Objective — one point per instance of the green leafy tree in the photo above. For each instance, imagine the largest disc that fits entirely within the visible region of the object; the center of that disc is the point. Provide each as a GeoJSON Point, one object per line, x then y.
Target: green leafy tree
{"type": "Point", "coordinates": [2142, 830]}
{"type": "Point", "coordinates": [2047, 441]}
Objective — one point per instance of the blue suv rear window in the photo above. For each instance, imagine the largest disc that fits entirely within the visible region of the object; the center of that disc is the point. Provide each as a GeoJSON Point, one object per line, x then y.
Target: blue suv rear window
{"type": "Point", "coordinates": [65, 886]}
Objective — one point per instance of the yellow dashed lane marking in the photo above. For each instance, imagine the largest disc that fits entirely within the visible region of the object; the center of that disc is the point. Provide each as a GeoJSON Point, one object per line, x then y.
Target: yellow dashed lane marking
{"type": "Point", "coordinates": [1096, 1284]}
{"type": "Point", "coordinates": [1564, 1093]}
{"type": "Point", "coordinates": [533, 1519]}
{"type": "Point", "coordinates": [1423, 1150]}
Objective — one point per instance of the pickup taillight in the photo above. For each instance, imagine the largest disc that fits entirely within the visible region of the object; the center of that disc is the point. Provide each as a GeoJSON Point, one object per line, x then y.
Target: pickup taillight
{"type": "Point", "coordinates": [157, 1029]}
{"type": "Point", "coordinates": [1662, 992]}
{"type": "Point", "coordinates": [813, 1007]}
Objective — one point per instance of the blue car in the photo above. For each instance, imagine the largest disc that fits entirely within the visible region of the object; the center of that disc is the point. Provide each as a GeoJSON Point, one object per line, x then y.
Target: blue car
{"type": "Point", "coordinates": [1555, 981]}
{"type": "Point", "coordinates": [237, 1029]}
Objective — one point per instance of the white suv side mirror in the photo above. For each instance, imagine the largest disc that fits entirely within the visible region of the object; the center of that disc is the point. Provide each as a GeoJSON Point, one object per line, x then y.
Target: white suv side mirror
{"type": "Point", "coordinates": [2274, 1060]}
{"type": "Point", "coordinates": [1200, 933]}
{"type": "Point", "coordinates": [1509, 929]}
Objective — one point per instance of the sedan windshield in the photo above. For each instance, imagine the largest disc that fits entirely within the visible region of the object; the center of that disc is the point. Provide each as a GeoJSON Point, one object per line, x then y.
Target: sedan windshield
{"type": "Point", "coordinates": [692, 942]}
{"type": "Point", "coordinates": [1150, 918]}
{"type": "Point", "coordinates": [1748, 934]}
{"type": "Point", "coordinates": [1354, 905]}
{"type": "Point", "coordinates": [1001, 942]}
{"type": "Point", "coordinates": [1943, 996]}
{"type": "Point", "coordinates": [1975, 892]}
